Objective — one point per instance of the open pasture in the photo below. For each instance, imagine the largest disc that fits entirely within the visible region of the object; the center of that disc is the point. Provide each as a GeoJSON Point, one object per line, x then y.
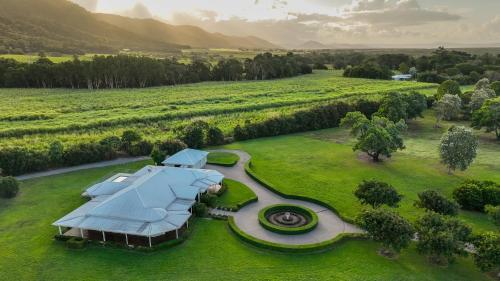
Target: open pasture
{"type": "Point", "coordinates": [33, 117]}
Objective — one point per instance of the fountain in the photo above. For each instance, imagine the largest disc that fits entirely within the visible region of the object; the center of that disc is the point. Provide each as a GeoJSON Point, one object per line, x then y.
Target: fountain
{"type": "Point", "coordinates": [287, 218]}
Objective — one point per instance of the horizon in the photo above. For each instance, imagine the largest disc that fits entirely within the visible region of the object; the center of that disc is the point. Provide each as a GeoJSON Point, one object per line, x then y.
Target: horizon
{"type": "Point", "coordinates": [355, 23]}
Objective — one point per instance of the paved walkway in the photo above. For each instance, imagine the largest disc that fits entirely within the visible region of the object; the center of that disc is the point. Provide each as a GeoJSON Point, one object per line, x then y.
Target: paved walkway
{"type": "Point", "coordinates": [82, 167]}
{"type": "Point", "coordinates": [329, 226]}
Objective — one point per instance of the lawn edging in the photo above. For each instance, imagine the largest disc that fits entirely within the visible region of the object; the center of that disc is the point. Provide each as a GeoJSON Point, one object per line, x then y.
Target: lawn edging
{"type": "Point", "coordinates": [307, 248]}
{"type": "Point", "coordinates": [253, 175]}
{"type": "Point", "coordinates": [265, 223]}
{"type": "Point", "coordinates": [238, 205]}
{"type": "Point", "coordinates": [229, 163]}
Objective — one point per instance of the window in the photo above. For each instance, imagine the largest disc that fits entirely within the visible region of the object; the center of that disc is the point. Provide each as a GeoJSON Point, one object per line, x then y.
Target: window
{"type": "Point", "coordinates": [120, 179]}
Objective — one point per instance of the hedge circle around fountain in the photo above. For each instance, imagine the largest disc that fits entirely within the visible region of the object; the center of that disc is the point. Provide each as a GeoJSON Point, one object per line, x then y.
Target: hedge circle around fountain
{"type": "Point", "coordinates": [303, 211]}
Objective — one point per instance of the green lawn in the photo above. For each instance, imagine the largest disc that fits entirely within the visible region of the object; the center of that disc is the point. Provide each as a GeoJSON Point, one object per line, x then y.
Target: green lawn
{"type": "Point", "coordinates": [236, 193]}
{"type": "Point", "coordinates": [322, 165]}
{"type": "Point", "coordinates": [223, 158]}
{"type": "Point", "coordinates": [28, 251]}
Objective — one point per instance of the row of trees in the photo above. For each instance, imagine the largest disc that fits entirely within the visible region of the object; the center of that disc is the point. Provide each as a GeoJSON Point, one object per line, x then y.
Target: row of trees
{"type": "Point", "coordinates": [438, 235]}
{"type": "Point", "coordinates": [124, 71]}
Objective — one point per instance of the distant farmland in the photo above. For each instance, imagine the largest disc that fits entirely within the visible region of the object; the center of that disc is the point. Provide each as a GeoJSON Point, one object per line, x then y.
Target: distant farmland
{"type": "Point", "coordinates": [34, 117]}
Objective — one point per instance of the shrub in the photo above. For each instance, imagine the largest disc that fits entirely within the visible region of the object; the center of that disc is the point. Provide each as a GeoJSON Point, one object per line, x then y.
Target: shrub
{"type": "Point", "coordinates": [209, 199]}
{"type": "Point", "coordinates": [376, 193]}
{"type": "Point", "coordinates": [494, 213]}
{"type": "Point", "coordinates": [193, 136]}
{"type": "Point", "coordinates": [76, 243]}
{"type": "Point", "coordinates": [448, 87]}
{"type": "Point", "coordinates": [86, 153]}
{"type": "Point", "coordinates": [158, 156]}
{"type": "Point", "coordinates": [200, 209]}
{"type": "Point", "coordinates": [9, 187]}
{"type": "Point", "coordinates": [433, 201]}
{"type": "Point", "coordinates": [441, 238]}
{"type": "Point", "coordinates": [141, 148]}
{"type": "Point", "coordinates": [56, 151]}
{"type": "Point", "coordinates": [487, 251]}
{"type": "Point", "coordinates": [171, 146]}
{"type": "Point", "coordinates": [474, 195]}
{"type": "Point", "coordinates": [128, 138]}
{"type": "Point", "coordinates": [215, 136]}
{"type": "Point", "coordinates": [17, 161]}
{"type": "Point", "coordinates": [387, 227]}
{"type": "Point", "coordinates": [113, 142]}
{"type": "Point", "coordinates": [496, 87]}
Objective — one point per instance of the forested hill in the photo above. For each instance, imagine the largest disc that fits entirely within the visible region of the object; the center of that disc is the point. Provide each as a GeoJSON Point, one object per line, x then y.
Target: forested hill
{"type": "Point", "coordinates": [61, 26]}
{"type": "Point", "coordinates": [184, 34]}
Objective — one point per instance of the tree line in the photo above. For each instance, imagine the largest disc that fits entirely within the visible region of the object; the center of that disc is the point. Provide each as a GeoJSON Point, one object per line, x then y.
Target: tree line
{"type": "Point", "coordinates": [124, 71]}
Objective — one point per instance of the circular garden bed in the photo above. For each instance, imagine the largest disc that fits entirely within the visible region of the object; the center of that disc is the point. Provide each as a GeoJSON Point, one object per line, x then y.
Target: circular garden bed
{"type": "Point", "coordinates": [288, 219]}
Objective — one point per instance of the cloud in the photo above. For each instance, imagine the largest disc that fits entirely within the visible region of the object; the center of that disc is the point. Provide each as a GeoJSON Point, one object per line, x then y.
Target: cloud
{"type": "Point", "coordinates": [139, 11]}
{"type": "Point", "coordinates": [90, 5]}
{"type": "Point", "coordinates": [395, 13]}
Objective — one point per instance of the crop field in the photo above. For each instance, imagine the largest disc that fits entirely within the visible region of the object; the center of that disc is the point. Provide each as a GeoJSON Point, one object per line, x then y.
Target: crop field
{"type": "Point", "coordinates": [34, 117]}
{"type": "Point", "coordinates": [54, 59]}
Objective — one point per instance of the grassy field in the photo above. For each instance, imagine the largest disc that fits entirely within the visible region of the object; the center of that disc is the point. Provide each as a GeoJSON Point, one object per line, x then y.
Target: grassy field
{"type": "Point", "coordinates": [236, 193]}
{"type": "Point", "coordinates": [35, 117]}
{"type": "Point", "coordinates": [322, 165]}
{"type": "Point", "coordinates": [223, 158]}
{"type": "Point", "coordinates": [28, 251]}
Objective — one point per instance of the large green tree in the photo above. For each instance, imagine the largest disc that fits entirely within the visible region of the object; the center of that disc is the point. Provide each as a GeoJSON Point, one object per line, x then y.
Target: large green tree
{"type": "Point", "coordinates": [393, 107]}
{"type": "Point", "coordinates": [488, 116]}
{"type": "Point", "coordinates": [375, 137]}
{"type": "Point", "coordinates": [458, 148]}
{"type": "Point", "coordinates": [441, 238]}
{"type": "Point", "coordinates": [387, 227]}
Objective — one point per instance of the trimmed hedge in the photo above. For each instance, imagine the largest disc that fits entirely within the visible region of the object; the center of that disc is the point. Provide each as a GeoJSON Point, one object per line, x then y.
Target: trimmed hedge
{"type": "Point", "coordinates": [225, 159]}
{"type": "Point", "coordinates": [264, 222]}
{"type": "Point", "coordinates": [76, 243]}
{"type": "Point", "coordinates": [251, 173]}
{"type": "Point", "coordinates": [308, 248]}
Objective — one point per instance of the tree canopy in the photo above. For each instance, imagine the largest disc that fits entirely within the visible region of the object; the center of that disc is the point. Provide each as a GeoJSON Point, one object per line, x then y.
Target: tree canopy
{"type": "Point", "coordinates": [458, 148]}
{"type": "Point", "coordinates": [442, 238]}
{"type": "Point", "coordinates": [448, 87]}
{"type": "Point", "coordinates": [447, 108]}
{"type": "Point", "coordinates": [488, 116]}
{"type": "Point", "coordinates": [387, 227]}
{"type": "Point", "coordinates": [377, 193]}
{"type": "Point", "coordinates": [433, 201]}
{"type": "Point", "coordinates": [375, 137]}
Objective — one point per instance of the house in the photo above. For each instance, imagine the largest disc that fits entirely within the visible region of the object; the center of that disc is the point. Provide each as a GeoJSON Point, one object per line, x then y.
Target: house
{"type": "Point", "coordinates": [141, 209]}
{"type": "Point", "coordinates": [402, 77]}
{"type": "Point", "coordinates": [187, 158]}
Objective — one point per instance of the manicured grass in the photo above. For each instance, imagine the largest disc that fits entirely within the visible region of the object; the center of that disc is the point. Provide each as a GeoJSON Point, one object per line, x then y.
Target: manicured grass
{"type": "Point", "coordinates": [223, 158]}
{"type": "Point", "coordinates": [28, 251]}
{"type": "Point", "coordinates": [236, 194]}
{"type": "Point", "coordinates": [322, 165]}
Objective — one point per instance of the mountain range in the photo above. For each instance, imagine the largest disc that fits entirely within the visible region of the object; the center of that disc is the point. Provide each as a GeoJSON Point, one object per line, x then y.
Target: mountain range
{"type": "Point", "coordinates": [62, 26]}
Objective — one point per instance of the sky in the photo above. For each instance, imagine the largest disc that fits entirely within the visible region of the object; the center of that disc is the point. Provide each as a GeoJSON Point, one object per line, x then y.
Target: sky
{"type": "Point", "coordinates": [289, 23]}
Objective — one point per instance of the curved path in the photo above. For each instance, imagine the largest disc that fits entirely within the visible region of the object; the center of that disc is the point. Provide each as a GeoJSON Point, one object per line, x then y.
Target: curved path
{"type": "Point", "coordinates": [329, 226]}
